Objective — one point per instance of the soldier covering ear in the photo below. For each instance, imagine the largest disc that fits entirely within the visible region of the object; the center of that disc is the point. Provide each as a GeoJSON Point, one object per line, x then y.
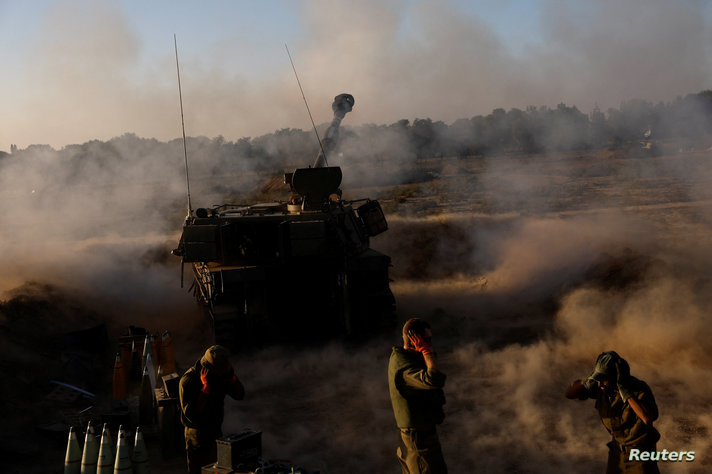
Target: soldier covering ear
{"type": "Point", "coordinates": [627, 409]}
{"type": "Point", "coordinates": [415, 385]}
{"type": "Point", "coordinates": [202, 393]}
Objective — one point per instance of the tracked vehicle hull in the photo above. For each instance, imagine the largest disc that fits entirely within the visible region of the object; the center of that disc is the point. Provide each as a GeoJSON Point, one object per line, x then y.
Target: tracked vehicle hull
{"type": "Point", "coordinates": [271, 276]}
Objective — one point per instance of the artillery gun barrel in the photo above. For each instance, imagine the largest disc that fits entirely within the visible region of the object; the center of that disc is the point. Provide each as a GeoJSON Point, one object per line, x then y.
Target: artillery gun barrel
{"type": "Point", "coordinates": [343, 104]}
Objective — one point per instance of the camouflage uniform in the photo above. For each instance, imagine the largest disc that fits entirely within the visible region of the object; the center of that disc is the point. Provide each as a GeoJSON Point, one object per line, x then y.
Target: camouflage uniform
{"type": "Point", "coordinates": [202, 428]}
{"type": "Point", "coordinates": [417, 398]}
{"type": "Point", "coordinates": [627, 430]}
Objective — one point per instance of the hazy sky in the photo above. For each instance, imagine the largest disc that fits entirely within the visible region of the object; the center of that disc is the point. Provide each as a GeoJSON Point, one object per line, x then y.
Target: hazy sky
{"type": "Point", "coordinates": [77, 70]}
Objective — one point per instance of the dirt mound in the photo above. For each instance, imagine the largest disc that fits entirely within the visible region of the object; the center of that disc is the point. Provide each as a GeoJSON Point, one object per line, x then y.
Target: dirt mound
{"type": "Point", "coordinates": [48, 336]}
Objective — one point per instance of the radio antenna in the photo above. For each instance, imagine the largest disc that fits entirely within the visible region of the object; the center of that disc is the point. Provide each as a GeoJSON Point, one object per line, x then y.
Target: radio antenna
{"type": "Point", "coordinates": [305, 103]}
{"type": "Point", "coordinates": [182, 123]}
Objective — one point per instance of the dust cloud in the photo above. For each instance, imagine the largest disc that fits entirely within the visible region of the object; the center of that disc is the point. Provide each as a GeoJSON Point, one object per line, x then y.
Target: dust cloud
{"type": "Point", "coordinates": [528, 312]}
{"type": "Point", "coordinates": [521, 303]}
{"type": "Point", "coordinates": [97, 220]}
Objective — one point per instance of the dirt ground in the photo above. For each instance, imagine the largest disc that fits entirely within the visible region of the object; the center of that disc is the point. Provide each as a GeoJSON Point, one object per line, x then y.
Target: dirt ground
{"type": "Point", "coordinates": [527, 267]}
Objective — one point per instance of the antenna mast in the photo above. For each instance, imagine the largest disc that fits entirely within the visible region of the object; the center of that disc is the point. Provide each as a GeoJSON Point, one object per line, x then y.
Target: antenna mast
{"type": "Point", "coordinates": [305, 103]}
{"type": "Point", "coordinates": [182, 122]}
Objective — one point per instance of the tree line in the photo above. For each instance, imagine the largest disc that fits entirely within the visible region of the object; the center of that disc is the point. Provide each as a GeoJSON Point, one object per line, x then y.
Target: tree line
{"type": "Point", "coordinates": [563, 128]}
{"type": "Point", "coordinates": [532, 130]}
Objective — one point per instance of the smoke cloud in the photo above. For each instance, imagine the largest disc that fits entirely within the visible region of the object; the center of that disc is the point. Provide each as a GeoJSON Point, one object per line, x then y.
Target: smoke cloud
{"type": "Point", "coordinates": [521, 299]}
{"type": "Point", "coordinates": [521, 304]}
{"type": "Point", "coordinates": [510, 345]}
{"type": "Point", "coordinates": [98, 220]}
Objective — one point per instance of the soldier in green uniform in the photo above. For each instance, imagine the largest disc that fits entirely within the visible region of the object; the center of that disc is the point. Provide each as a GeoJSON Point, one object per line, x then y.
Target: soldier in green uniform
{"type": "Point", "coordinates": [627, 409]}
{"type": "Point", "coordinates": [416, 388]}
{"type": "Point", "coordinates": [202, 397]}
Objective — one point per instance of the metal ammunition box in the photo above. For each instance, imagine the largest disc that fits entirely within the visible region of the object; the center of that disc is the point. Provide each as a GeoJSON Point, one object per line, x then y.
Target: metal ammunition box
{"type": "Point", "coordinates": [241, 450]}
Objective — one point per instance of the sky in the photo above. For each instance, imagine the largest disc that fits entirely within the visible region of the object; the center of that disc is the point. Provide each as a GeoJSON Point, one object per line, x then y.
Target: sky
{"type": "Point", "coordinates": [78, 70]}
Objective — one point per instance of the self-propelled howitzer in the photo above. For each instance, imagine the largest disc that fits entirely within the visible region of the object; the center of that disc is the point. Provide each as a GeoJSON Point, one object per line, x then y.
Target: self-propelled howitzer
{"type": "Point", "coordinates": [293, 270]}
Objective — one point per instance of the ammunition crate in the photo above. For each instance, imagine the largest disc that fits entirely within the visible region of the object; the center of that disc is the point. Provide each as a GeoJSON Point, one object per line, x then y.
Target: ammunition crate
{"type": "Point", "coordinates": [240, 451]}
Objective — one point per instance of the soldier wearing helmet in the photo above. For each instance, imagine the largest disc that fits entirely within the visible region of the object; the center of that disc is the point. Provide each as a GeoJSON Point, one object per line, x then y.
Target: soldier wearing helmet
{"type": "Point", "coordinates": [627, 409]}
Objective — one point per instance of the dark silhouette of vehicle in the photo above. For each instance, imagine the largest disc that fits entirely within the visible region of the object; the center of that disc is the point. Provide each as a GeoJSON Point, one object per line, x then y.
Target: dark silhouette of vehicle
{"type": "Point", "coordinates": [296, 270]}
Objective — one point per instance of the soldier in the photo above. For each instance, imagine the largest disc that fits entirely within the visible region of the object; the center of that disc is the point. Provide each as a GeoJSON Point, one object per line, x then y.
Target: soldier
{"type": "Point", "coordinates": [627, 409]}
{"type": "Point", "coordinates": [202, 396]}
{"type": "Point", "coordinates": [416, 388]}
